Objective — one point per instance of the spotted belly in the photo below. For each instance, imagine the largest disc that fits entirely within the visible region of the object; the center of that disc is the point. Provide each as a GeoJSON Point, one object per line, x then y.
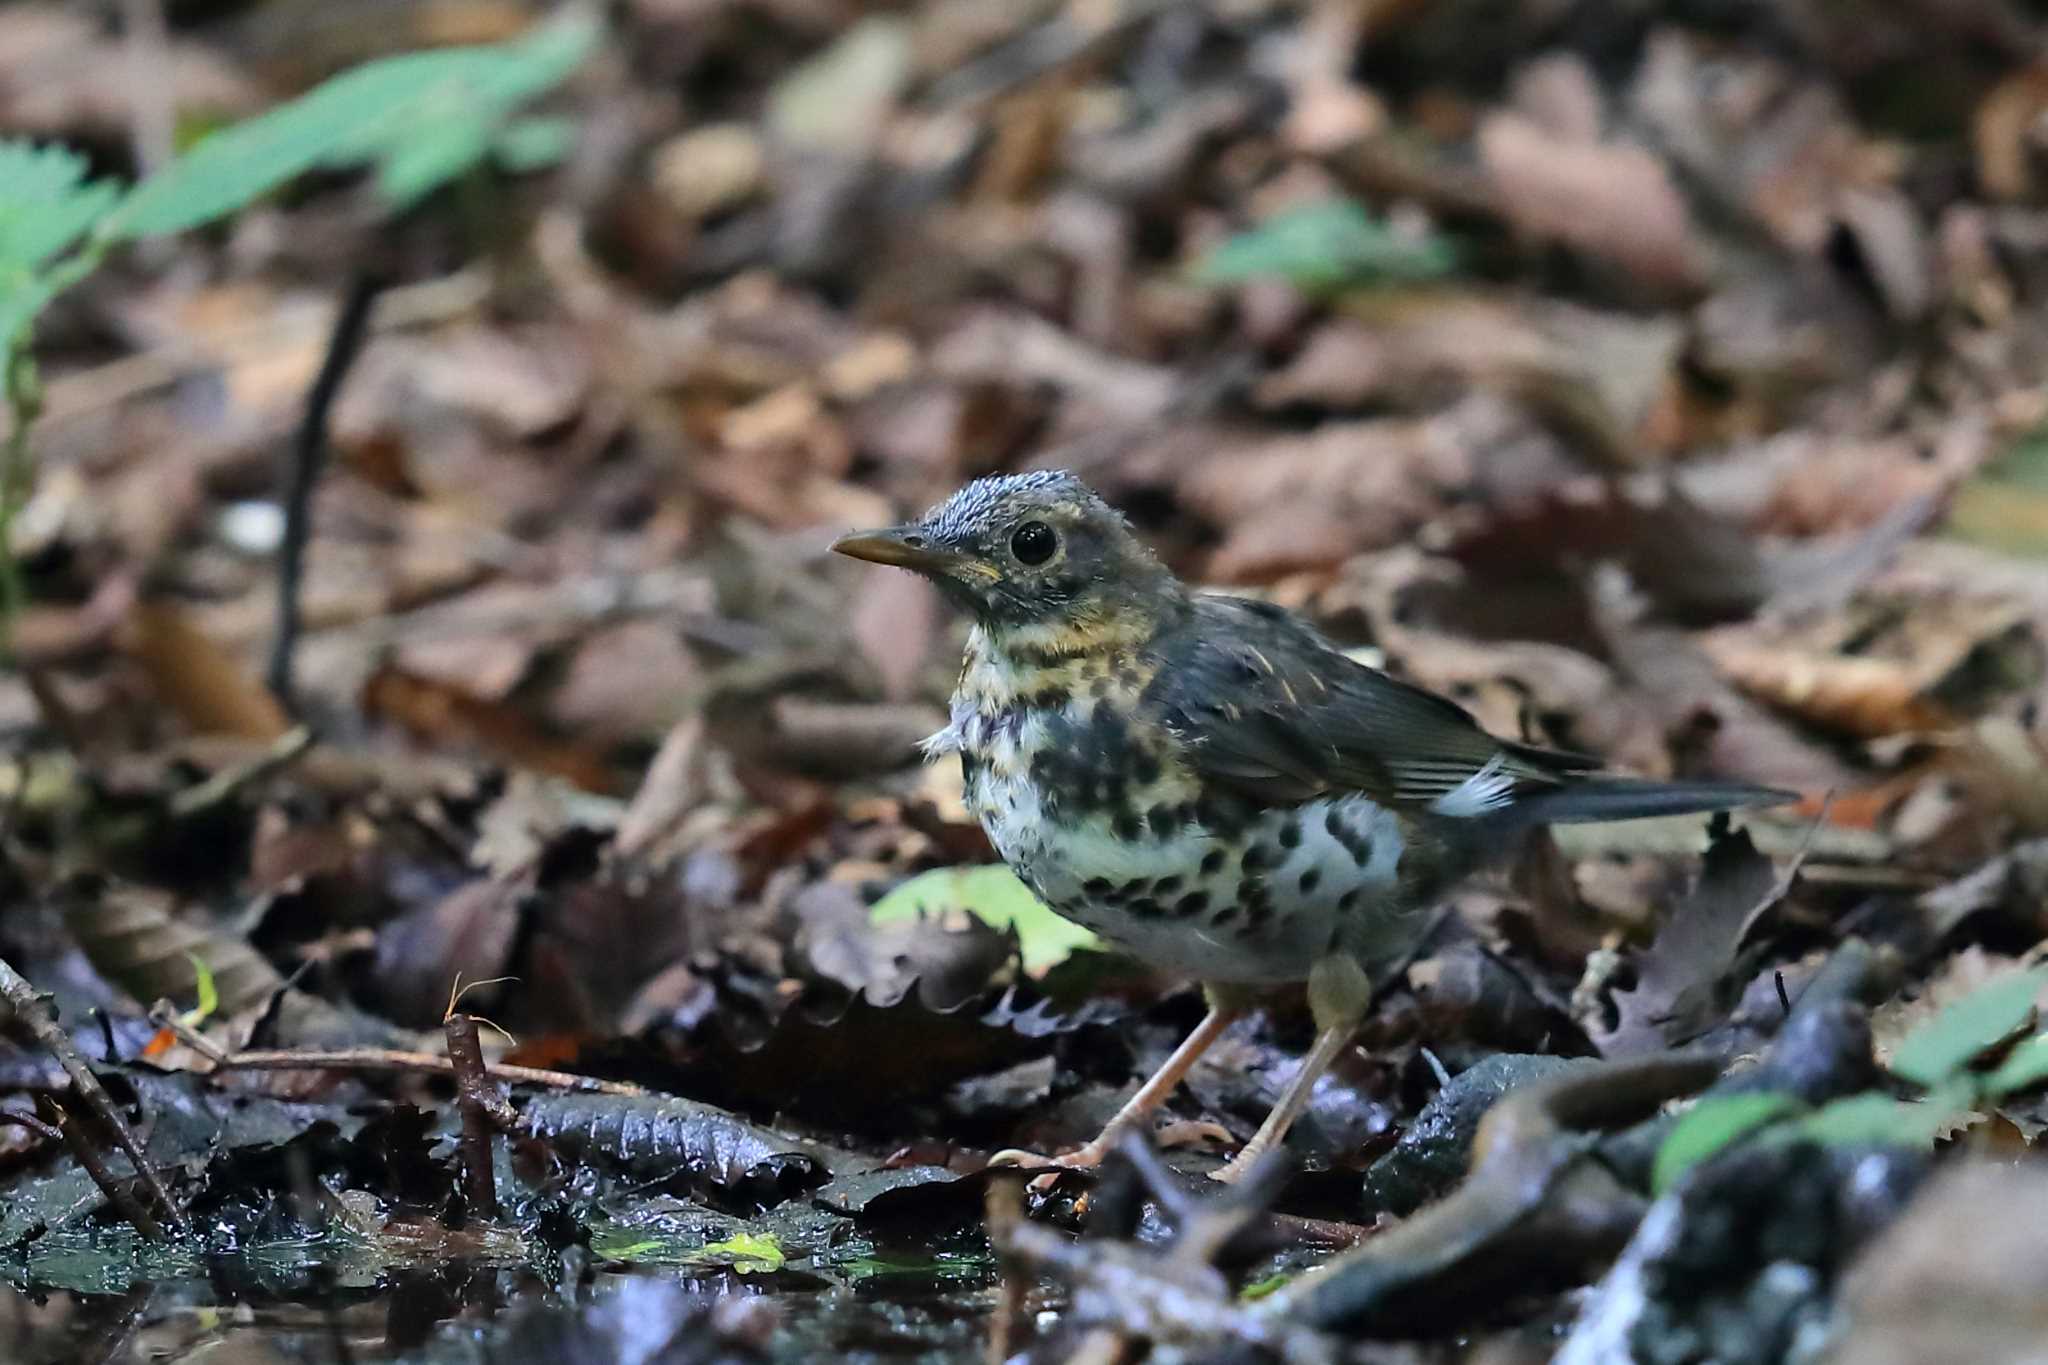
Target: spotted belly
{"type": "Point", "coordinates": [1256, 899]}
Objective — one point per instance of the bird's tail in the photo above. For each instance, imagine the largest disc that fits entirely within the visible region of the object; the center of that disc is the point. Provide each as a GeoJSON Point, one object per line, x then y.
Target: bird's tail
{"type": "Point", "coordinates": [1631, 798]}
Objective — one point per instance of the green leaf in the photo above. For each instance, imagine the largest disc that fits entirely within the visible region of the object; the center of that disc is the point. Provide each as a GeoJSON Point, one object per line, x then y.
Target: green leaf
{"type": "Point", "coordinates": [1327, 246]}
{"type": "Point", "coordinates": [2024, 1067]}
{"type": "Point", "coordinates": [209, 992]}
{"type": "Point", "coordinates": [421, 118]}
{"type": "Point", "coordinates": [1872, 1119]}
{"type": "Point", "coordinates": [442, 150]}
{"type": "Point", "coordinates": [1259, 1289]}
{"type": "Point", "coordinates": [46, 203]}
{"type": "Point", "coordinates": [746, 1252]}
{"type": "Point", "coordinates": [1944, 1045]}
{"type": "Point", "coordinates": [993, 895]}
{"type": "Point", "coordinates": [658, 1239]}
{"type": "Point", "coordinates": [611, 1249]}
{"type": "Point", "coordinates": [1711, 1125]}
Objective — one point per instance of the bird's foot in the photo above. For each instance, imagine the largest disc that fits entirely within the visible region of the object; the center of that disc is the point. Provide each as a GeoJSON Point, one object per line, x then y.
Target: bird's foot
{"type": "Point", "coordinates": [1235, 1169]}
{"type": "Point", "coordinates": [1083, 1158]}
{"type": "Point", "coordinates": [1251, 1154]}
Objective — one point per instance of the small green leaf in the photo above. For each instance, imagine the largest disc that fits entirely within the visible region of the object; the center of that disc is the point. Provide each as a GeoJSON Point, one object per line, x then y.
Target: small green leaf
{"type": "Point", "coordinates": [1711, 1125]}
{"type": "Point", "coordinates": [1327, 246]}
{"type": "Point", "coordinates": [421, 118]}
{"type": "Point", "coordinates": [209, 992]}
{"type": "Point", "coordinates": [611, 1250]}
{"type": "Point", "coordinates": [46, 203]}
{"type": "Point", "coordinates": [1872, 1119]}
{"type": "Point", "coordinates": [993, 895]}
{"type": "Point", "coordinates": [440, 152]}
{"type": "Point", "coordinates": [1259, 1289]}
{"type": "Point", "coordinates": [1944, 1045]}
{"type": "Point", "coordinates": [746, 1252]}
{"type": "Point", "coordinates": [2024, 1067]}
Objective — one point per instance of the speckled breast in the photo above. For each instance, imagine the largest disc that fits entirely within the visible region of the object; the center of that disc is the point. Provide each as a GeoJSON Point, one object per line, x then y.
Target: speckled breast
{"type": "Point", "coordinates": [1099, 815]}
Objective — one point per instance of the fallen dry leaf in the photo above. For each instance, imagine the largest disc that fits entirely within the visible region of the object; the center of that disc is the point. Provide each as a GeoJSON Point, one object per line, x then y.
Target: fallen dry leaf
{"type": "Point", "coordinates": [1690, 960]}
{"type": "Point", "coordinates": [211, 691]}
{"type": "Point", "coordinates": [440, 714]}
{"type": "Point", "coordinates": [1610, 200]}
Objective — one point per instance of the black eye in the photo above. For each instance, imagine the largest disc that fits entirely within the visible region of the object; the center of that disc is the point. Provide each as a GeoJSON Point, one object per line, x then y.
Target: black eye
{"type": "Point", "coordinates": [1034, 542]}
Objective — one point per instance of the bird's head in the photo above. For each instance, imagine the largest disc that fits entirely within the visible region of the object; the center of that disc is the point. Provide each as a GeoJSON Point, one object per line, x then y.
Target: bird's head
{"type": "Point", "coordinates": [1038, 552]}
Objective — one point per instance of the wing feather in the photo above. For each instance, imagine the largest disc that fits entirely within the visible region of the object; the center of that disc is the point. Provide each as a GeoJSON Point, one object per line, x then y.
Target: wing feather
{"type": "Point", "coordinates": [1268, 707]}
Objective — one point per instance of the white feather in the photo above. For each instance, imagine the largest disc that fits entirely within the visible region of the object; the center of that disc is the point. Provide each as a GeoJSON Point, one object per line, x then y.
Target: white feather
{"type": "Point", "coordinates": [1484, 792]}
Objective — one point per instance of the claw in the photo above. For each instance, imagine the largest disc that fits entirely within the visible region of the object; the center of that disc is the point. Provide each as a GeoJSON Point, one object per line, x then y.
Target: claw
{"type": "Point", "coordinates": [1084, 1158]}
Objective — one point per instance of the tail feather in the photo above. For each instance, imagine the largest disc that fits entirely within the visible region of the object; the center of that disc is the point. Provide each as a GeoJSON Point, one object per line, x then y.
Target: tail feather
{"type": "Point", "coordinates": [1600, 799]}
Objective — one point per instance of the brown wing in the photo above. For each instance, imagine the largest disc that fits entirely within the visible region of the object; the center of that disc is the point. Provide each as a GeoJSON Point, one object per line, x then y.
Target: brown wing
{"type": "Point", "coordinates": [1268, 707]}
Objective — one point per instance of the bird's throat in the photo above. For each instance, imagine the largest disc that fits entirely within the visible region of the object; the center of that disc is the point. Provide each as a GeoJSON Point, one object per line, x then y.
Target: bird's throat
{"type": "Point", "coordinates": [1046, 664]}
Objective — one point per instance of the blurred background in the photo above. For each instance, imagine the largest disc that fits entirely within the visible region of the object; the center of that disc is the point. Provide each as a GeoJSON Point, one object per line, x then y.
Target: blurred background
{"type": "Point", "coordinates": [1666, 381]}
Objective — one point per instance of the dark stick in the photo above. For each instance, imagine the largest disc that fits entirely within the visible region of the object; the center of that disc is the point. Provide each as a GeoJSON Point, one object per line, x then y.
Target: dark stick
{"type": "Point", "coordinates": [34, 1016]}
{"type": "Point", "coordinates": [45, 1131]}
{"type": "Point", "coordinates": [309, 453]}
{"type": "Point", "coordinates": [483, 1109]}
{"type": "Point", "coordinates": [94, 1160]}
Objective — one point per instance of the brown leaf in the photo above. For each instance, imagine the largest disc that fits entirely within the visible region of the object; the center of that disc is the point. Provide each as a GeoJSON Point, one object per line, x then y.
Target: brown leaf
{"type": "Point", "coordinates": [1674, 998]}
{"type": "Point", "coordinates": [136, 939]}
{"type": "Point", "coordinates": [1961, 976]}
{"type": "Point", "coordinates": [1962, 1276]}
{"type": "Point", "coordinates": [671, 787]}
{"type": "Point", "coordinates": [894, 621]}
{"type": "Point", "coordinates": [1857, 696]}
{"type": "Point", "coordinates": [470, 932]}
{"type": "Point", "coordinates": [626, 682]}
{"type": "Point", "coordinates": [211, 692]}
{"type": "Point", "coordinates": [1610, 200]}
{"type": "Point", "coordinates": [1310, 501]}
{"type": "Point", "coordinates": [444, 715]}
{"type": "Point", "coordinates": [2006, 133]}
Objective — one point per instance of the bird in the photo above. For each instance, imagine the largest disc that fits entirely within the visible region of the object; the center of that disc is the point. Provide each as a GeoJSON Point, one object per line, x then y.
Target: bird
{"type": "Point", "coordinates": [1208, 783]}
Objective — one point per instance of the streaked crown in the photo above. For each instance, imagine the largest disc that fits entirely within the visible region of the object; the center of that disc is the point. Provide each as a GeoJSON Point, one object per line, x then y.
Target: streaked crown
{"type": "Point", "coordinates": [1027, 549]}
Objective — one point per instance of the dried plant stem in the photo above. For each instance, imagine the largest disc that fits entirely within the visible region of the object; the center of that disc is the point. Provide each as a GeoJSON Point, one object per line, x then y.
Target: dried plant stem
{"type": "Point", "coordinates": [35, 1016]}
{"type": "Point", "coordinates": [384, 1059]}
{"type": "Point", "coordinates": [483, 1110]}
{"type": "Point", "coordinates": [55, 1116]}
{"type": "Point", "coordinates": [309, 455]}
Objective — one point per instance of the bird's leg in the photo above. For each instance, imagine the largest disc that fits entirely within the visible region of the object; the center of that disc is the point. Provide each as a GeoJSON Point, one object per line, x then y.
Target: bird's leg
{"type": "Point", "coordinates": [1339, 993]}
{"type": "Point", "coordinates": [1223, 1011]}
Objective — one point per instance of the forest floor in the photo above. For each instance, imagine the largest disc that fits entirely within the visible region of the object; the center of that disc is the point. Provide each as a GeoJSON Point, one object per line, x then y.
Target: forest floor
{"type": "Point", "coordinates": [1668, 383]}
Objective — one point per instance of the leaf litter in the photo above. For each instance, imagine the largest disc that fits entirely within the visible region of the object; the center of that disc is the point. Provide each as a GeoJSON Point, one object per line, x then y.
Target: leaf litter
{"type": "Point", "coordinates": [1658, 386]}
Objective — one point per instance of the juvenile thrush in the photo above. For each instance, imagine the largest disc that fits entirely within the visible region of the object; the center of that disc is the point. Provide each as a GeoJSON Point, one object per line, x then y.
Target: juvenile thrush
{"type": "Point", "coordinates": [1206, 782]}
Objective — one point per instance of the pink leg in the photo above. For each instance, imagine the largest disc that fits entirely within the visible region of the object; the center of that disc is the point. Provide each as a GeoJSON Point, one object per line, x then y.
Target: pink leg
{"type": "Point", "coordinates": [1149, 1097]}
{"type": "Point", "coordinates": [1339, 993]}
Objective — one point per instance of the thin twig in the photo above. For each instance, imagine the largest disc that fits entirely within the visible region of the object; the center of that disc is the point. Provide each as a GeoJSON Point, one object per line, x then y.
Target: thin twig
{"type": "Point", "coordinates": [89, 1156]}
{"type": "Point", "coordinates": [483, 1109]}
{"type": "Point", "coordinates": [45, 1131]}
{"type": "Point", "coordinates": [309, 453]}
{"type": "Point", "coordinates": [416, 1063]}
{"type": "Point", "coordinates": [204, 796]}
{"type": "Point", "coordinates": [34, 1015]}
{"type": "Point", "coordinates": [1003, 1207]}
